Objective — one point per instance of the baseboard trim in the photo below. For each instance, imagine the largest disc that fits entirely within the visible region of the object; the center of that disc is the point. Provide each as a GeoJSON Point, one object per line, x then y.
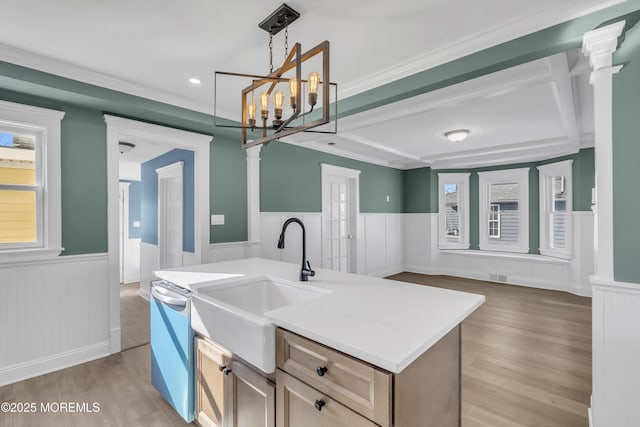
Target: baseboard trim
{"type": "Point", "coordinates": [115, 340]}
{"type": "Point", "coordinates": [515, 281]}
{"type": "Point", "coordinates": [45, 365]}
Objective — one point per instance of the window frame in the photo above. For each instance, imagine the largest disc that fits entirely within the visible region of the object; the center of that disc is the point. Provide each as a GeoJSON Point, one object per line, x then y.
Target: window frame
{"type": "Point", "coordinates": [485, 179]}
{"type": "Point", "coordinates": [45, 125]}
{"type": "Point", "coordinates": [545, 173]}
{"type": "Point", "coordinates": [462, 181]}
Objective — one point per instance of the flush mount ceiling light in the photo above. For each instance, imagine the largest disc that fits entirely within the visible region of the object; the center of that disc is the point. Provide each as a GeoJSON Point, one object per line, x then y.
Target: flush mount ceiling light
{"type": "Point", "coordinates": [125, 147]}
{"type": "Point", "coordinates": [457, 135]}
{"type": "Point", "coordinates": [194, 81]}
{"type": "Point", "coordinates": [301, 113]}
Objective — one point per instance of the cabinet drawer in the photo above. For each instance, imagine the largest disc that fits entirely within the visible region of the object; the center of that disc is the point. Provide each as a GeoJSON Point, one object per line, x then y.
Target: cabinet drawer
{"type": "Point", "coordinates": [301, 405]}
{"type": "Point", "coordinates": [354, 383]}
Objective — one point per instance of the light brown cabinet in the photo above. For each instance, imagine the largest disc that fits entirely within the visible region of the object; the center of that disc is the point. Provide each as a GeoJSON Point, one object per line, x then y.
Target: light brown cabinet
{"type": "Point", "coordinates": [318, 386]}
{"type": "Point", "coordinates": [229, 393]}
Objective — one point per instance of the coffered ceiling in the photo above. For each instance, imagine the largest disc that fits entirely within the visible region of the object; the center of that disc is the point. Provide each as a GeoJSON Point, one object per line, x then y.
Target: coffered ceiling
{"type": "Point", "coordinates": [151, 49]}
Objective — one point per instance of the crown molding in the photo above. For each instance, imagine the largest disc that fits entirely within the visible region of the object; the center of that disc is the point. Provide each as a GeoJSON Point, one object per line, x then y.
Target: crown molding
{"type": "Point", "coordinates": [318, 146]}
{"type": "Point", "coordinates": [82, 74]}
{"type": "Point", "coordinates": [482, 40]}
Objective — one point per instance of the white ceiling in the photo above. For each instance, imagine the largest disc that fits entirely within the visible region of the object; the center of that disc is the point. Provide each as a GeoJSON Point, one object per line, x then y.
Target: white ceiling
{"type": "Point", "coordinates": [534, 111]}
{"type": "Point", "coordinates": [151, 48]}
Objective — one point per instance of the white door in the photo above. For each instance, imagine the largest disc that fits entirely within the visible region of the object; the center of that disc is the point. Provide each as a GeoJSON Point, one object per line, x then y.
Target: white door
{"type": "Point", "coordinates": [339, 213]}
{"type": "Point", "coordinates": [170, 208]}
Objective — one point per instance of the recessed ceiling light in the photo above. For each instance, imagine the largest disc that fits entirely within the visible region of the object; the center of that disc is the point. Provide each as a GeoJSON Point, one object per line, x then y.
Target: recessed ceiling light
{"type": "Point", "coordinates": [194, 81]}
{"type": "Point", "coordinates": [457, 135]}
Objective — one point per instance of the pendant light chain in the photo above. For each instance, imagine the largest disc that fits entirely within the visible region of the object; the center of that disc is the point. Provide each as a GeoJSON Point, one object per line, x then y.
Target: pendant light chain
{"type": "Point", "coordinates": [286, 37]}
{"type": "Point", "coordinates": [270, 53]}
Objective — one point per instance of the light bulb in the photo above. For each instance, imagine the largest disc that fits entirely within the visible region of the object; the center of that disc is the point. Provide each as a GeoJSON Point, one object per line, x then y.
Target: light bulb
{"type": "Point", "coordinates": [264, 105]}
{"type": "Point", "coordinates": [278, 99]}
{"type": "Point", "coordinates": [251, 112]}
{"type": "Point", "coordinates": [293, 92]}
{"type": "Point", "coordinates": [314, 79]}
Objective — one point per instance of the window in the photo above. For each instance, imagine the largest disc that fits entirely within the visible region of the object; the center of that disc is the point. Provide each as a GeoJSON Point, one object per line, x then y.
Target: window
{"type": "Point", "coordinates": [30, 223]}
{"type": "Point", "coordinates": [555, 209]}
{"type": "Point", "coordinates": [504, 210]}
{"type": "Point", "coordinates": [453, 208]}
{"type": "Point", "coordinates": [20, 189]}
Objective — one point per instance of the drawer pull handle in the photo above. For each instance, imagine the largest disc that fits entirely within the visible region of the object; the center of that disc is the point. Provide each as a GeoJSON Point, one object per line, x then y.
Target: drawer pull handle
{"type": "Point", "coordinates": [321, 370]}
{"type": "Point", "coordinates": [319, 404]}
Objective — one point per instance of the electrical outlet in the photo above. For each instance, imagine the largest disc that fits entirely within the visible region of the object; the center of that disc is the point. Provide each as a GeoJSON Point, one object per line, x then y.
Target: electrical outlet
{"type": "Point", "coordinates": [387, 198]}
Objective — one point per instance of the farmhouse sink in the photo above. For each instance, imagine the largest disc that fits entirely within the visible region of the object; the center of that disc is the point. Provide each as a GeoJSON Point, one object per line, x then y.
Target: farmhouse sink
{"type": "Point", "coordinates": [232, 314]}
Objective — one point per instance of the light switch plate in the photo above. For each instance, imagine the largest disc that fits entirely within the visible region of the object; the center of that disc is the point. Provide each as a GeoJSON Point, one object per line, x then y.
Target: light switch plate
{"type": "Point", "coordinates": [217, 219]}
{"type": "Point", "coordinates": [136, 224]}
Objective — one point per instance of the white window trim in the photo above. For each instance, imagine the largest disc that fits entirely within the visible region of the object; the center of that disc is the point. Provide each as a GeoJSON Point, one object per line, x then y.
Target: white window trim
{"type": "Point", "coordinates": [462, 180]}
{"type": "Point", "coordinates": [521, 176]}
{"type": "Point", "coordinates": [46, 125]}
{"type": "Point", "coordinates": [563, 168]}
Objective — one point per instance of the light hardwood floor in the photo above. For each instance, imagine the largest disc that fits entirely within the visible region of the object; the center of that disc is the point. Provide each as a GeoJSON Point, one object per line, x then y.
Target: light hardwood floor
{"type": "Point", "coordinates": [134, 317]}
{"type": "Point", "coordinates": [526, 355]}
{"type": "Point", "coordinates": [526, 362]}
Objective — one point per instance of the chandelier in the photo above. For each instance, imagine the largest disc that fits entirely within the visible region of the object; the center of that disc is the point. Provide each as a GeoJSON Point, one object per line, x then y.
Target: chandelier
{"type": "Point", "coordinates": [303, 76]}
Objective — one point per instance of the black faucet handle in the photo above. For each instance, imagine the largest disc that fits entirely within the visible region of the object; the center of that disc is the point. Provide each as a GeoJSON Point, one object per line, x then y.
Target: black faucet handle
{"type": "Point", "coordinates": [311, 272]}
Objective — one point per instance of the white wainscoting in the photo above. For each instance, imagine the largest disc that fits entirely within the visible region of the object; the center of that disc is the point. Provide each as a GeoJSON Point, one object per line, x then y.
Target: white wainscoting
{"type": "Point", "coordinates": [422, 255]}
{"type": "Point", "coordinates": [132, 260]}
{"type": "Point", "coordinates": [383, 244]}
{"type": "Point", "coordinates": [53, 314]}
{"type": "Point", "coordinates": [616, 352]}
{"type": "Point", "coordinates": [381, 251]}
{"type": "Point", "coordinates": [149, 262]}
{"type": "Point", "coordinates": [233, 250]}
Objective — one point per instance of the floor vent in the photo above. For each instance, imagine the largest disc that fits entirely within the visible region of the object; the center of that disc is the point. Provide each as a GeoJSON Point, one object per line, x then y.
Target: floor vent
{"type": "Point", "coordinates": [500, 278]}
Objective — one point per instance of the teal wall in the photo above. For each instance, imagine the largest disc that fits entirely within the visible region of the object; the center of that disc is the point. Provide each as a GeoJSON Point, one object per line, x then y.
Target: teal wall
{"type": "Point", "coordinates": [421, 191]}
{"type": "Point", "coordinates": [291, 181]}
{"type": "Point", "coordinates": [416, 190]}
{"type": "Point", "coordinates": [626, 159]}
{"type": "Point", "coordinates": [228, 189]}
{"type": "Point", "coordinates": [84, 182]}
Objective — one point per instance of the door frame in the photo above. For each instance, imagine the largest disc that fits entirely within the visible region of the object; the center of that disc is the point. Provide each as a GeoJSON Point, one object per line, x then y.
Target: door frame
{"type": "Point", "coordinates": [353, 178]}
{"type": "Point", "coordinates": [120, 129]}
{"type": "Point", "coordinates": [174, 170]}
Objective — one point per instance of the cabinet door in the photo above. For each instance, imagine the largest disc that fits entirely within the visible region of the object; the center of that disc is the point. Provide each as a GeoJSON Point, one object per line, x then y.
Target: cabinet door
{"type": "Point", "coordinates": [213, 385]}
{"type": "Point", "coordinates": [254, 398]}
{"type": "Point", "coordinates": [301, 405]}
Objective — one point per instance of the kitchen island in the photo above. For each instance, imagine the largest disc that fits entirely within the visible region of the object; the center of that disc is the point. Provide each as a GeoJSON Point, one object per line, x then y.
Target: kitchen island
{"type": "Point", "coordinates": [401, 337]}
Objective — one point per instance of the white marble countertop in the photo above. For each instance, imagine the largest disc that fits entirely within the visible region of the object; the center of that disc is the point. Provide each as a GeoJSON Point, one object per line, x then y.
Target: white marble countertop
{"type": "Point", "coordinates": [383, 322]}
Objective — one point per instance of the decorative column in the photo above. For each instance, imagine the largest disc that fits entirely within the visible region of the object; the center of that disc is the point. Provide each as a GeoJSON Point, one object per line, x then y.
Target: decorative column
{"type": "Point", "coordinates": [253, 201]}
{"type": "Point", "coordinates": [599, 46]}
{"type": "Point", "coordinates": [612, 380]}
